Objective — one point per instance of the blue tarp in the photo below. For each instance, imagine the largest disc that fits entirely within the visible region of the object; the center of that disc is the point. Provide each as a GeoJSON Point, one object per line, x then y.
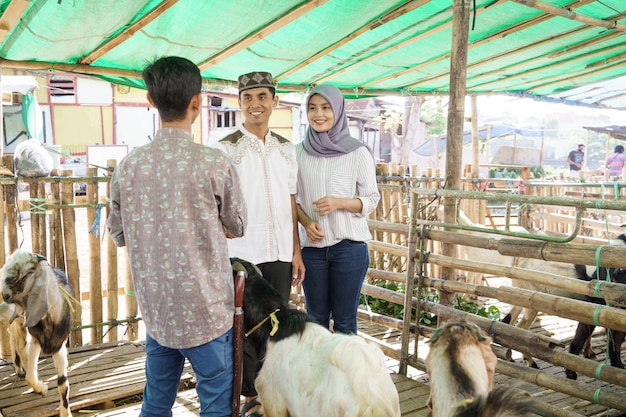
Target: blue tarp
{"type": "Point", "coordinates": [488, 132]}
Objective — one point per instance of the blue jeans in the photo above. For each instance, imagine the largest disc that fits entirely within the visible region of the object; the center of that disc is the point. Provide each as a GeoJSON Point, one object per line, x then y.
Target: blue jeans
{"type": "Point", "coordinates": [212, 364]}
{"type": "Point", "coordinates": [332, 286]}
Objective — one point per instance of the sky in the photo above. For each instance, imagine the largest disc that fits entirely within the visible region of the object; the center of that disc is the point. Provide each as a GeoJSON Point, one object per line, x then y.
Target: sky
{"type": "Point", "coordinates": [490, 106]}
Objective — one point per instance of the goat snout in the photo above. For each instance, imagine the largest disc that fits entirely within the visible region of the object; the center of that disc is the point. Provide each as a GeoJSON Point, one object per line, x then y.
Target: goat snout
{"type": "Point", "coordinates": [6, 297]}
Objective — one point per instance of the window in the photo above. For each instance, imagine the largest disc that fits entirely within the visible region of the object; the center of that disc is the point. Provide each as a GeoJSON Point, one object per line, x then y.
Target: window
{"type": "Point", "coordinates": [62, 88]}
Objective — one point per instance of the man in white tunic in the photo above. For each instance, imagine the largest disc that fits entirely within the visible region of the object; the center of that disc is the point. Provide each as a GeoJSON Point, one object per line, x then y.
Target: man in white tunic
{"type": "Point", "coordinates": [268, 172]}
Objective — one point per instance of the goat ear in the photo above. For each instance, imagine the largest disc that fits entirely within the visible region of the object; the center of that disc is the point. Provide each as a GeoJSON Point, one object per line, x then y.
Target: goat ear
{"type": "Point", "coordinates": [37, 305]}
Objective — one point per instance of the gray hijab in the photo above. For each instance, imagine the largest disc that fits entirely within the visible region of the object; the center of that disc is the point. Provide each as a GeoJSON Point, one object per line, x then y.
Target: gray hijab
{"type": "Point", "coordinates": [337, 141]}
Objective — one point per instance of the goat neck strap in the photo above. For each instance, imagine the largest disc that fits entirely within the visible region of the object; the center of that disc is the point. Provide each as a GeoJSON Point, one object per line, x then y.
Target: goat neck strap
{"type": "Point", "coordinates": [273, 319]}
{"type": "Point", "coordinates": [69, 299]}
{"type": "Point", "coordinates": [464, 402]}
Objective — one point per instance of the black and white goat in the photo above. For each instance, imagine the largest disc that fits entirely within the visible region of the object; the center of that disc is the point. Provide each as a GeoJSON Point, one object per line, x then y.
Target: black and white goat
{"type": "Point", "coordinates": [461, 367]}
{"type": "Point", "coordinates": [307, 370]}
{"type": "Point", "coordinates": [38, 298]}
{"type": "Point", "coordinates": [583, 331]}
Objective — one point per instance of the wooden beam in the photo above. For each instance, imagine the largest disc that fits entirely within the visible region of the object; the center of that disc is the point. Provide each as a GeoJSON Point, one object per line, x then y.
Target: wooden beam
{"type": "Point", "coordinates": [580, 75]}
{"type": "Point", "coordinates": [11, 16]}
{"type": "Point", "coordinates": [509, 69]}
{"type": "Point", "coordinates": [502, 34]}
{"type": "Point", "coordinates": [494, 36]}
{"type": "Point", "coordinates": [569, 14]}
{"type": "Point", "coordinates": [387, 17]}
{"type": "Point", "coordinates": [261, 33]}
{"type": "Point", "coordinates": [424, 35]}
{"type": "Point", "coordinates": [72, 68]}
{"type": "Point", "coordinates": [396, 47]}
{"type": "Point", "coordinates": [456, 117]}
{"type": "Point", "coordinates": [128, 32]}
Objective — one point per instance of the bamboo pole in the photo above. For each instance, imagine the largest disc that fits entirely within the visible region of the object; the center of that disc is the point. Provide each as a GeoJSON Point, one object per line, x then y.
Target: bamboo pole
{"type": "Point", "coordinates": [509, 336]}
{"type": "Point", "coordinates": [5, 346]}
{"type": "Point", "coordinates": [57, 258]}
{"type": "Point", "coordinates": [41, 218]}
{"type": "Point", "coordinates": [409, 283]}
{"type": "Point", "coordinates": [456, 118]}
{"type": "Point", "coordinates": [527, 341]}
{"type": "Point", "coordinates": [10, 201]}
{"type": "Point", "coordinates": [613, 293]}
{"type": "Point", "coordinates": [95, 272]}
{"type": "Point", "coordinates": [34, 218]}
{"type": "Point", "coordinates": [112, 278]}
{"type": "Point", "coordinates": [605, 396]}
{"type": "Point", "coordinates": [71, 254]}
{"type": "Point", "coordinates": [131, 303]}
{"type": "Point", "coordinates": [378, 235]}
{"type": "Point", "coordinates": [584, 254]}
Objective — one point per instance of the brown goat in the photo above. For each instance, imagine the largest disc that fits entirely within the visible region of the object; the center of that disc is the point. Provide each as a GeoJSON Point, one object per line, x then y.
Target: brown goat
{"type": "Point", "coordinates": [461, 367]}
{"type": "Point", "coordinates": [38, 299]}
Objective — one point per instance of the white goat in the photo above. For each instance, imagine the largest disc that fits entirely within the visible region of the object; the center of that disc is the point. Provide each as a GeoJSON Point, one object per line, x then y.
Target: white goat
{"type": "Point", "coordinates": [461, 367]}
{"type": "Point", "coordinates": [478, 254]}
{"type": "Point", "coordinates": [38, 299]}
{"type": "Point", "coordinates": [309, 371]}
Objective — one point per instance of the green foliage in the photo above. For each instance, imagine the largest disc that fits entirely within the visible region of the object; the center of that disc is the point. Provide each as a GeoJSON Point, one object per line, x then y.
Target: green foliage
{"type": "Point", "coordinates": [538, 171]}
{"type": "Point", "coordinates": [491, 312]}
{"type": "Point", "coordinates": [389, 309]}
{"type": "Point", "coordinates": [396, 311]}
{"type": "Point", "coordinates": [390, 119]}
{"type": "Point", "coordinates": [384, 307]}
{"type": "Point", "coordinates": [426, 318]}
{"type": "Point", "coordinates": [434, 115]}
{"type": "Point", "coordinates": [505, 173]}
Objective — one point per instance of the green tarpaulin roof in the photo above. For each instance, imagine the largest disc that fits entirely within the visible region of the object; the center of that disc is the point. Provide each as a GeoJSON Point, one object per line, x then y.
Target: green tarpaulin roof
{"type": "Point", "coordinates": [366, 47]}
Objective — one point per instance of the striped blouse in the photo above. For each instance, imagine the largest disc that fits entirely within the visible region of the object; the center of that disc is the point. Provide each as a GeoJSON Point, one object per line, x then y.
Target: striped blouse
{"type": "Point", "coordinates": [352, 175]}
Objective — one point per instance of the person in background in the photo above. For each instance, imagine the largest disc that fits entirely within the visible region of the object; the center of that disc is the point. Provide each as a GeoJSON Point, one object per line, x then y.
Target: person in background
{"type": "Point", "coordinates": [172, 201]}
{"type": "Point", "coordinates": [336, 191]}
{"type": "Point", "coordinates": [266, 164]}
{"type": "Point", "coordinates": [575, 160]}
{"type": "Point", "coordinates": [615, 162]}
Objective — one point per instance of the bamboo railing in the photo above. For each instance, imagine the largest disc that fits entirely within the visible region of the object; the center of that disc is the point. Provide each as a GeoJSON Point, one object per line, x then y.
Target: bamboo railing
{"type": "Point", "coordinates": [69, 246]}
{"type": "Point", "coordinates": [574, 220]}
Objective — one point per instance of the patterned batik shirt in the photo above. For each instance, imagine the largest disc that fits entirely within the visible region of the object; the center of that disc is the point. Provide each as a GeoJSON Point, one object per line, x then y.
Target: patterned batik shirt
{"type": "Point", "coordinates": [171, 202]}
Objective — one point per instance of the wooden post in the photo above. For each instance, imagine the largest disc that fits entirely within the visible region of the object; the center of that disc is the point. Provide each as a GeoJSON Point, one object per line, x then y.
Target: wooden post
{"type": "Point", "coordinates": [394, 215]}
{"type": "Point", "coordinates": [57, 258]}
{"type": "Point", "coordinates": [379, 256]}
{"type": "Point", "coordinates": [456, 117]}
{"type": "Point", "coordinates": [475, 139]}
{"type": "Point", "coordinates": [131, 303]}
{"type": "Point", "coordinates": [95, 272]}
{"type": "Point", "coordinates": [112, 279]}
{"type": "Point", "coordinates": [71, 254]}
{"type": "Point", "coordinates": [10, 201]}
{"type": "Point", "coordinates": [41, 218]}
{"type": "Point", "coordinates": [34, 217]}
{"type": "Point", "coordinates": [5, 346]}
{"type": "Point", "coordinates": [385, 198]}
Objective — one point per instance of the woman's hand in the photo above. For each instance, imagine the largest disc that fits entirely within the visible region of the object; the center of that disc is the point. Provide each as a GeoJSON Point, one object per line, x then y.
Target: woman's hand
{"type": "Point", "coordinates": [314, 232]}
{"type": "Point", "coordinates": [326, 205]}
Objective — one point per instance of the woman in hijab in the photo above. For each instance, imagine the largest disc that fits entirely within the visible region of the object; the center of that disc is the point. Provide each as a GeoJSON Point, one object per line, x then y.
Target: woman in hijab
{"type": "Point", "coordinates": [336, 191]}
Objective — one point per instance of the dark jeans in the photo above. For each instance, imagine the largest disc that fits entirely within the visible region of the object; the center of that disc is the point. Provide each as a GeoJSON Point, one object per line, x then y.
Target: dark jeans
{"type": "Point", "coordinates": [332, 286]}
{"type": "Point", "coordinates": [212, 364]}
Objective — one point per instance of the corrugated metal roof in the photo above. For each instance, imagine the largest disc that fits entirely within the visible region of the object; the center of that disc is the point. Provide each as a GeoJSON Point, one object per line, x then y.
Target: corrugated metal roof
{"type": "Point", "coordinates": [366, 47]}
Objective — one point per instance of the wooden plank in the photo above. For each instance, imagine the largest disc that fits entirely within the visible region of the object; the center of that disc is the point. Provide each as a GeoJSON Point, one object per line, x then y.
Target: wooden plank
{"type": "Point", "coordinates": [98, 376]}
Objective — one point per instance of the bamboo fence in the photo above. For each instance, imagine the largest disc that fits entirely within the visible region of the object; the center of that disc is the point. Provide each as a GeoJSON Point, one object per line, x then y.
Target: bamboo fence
{"type": "Point", "coordinates": [575, 221]}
